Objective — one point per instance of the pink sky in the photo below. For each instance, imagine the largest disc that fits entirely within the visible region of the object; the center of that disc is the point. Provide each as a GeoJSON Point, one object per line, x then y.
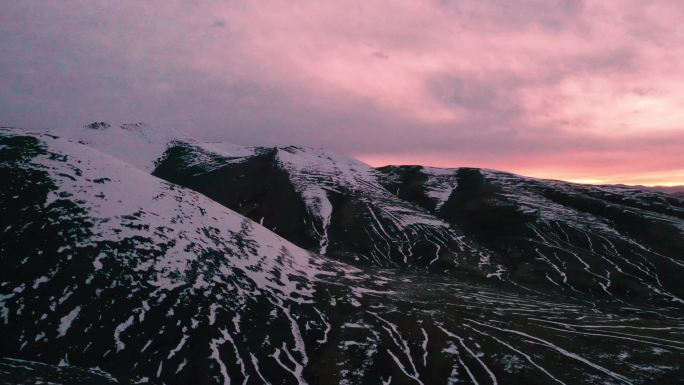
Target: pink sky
{"type": "Point", "coordinates": [578, 90]}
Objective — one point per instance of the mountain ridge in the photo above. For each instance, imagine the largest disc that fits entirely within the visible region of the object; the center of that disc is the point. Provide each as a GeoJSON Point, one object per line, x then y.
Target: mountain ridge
{"type": "Point", "coordinates": [514, 228]}
{"type": "Point", "coordinates": [168, 135]}
{"type": "Point", "coordinates": [108, 266]}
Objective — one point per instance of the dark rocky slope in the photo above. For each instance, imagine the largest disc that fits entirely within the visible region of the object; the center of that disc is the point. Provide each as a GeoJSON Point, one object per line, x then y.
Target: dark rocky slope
{"type": "Point", "coordinates": [599, 240]}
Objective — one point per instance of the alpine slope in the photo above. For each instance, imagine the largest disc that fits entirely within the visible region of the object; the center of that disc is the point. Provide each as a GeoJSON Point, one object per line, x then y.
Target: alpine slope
{"type": "Point", "coordinates": [137, 255]}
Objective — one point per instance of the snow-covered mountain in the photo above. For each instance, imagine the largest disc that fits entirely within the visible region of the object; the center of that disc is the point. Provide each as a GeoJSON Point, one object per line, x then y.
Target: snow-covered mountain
{"type": "Point", "coordinates": [110, 273]}
{"type": "Point", "coordinates": [602, 240]}
{"type": "Point", "coordinates": [319, 200]}
{"type": "Point", "coordinates": [323, 202]}
{"type": "Point", "coordinates": [139, 144]}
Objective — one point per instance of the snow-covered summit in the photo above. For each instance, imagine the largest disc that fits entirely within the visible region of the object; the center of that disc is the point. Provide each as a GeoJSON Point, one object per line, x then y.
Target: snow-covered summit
{"type": "Point", "coordinates": [136, 143]}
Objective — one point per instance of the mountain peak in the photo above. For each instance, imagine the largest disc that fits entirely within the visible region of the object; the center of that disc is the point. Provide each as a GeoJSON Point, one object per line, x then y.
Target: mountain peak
{"type": "Point", "coordinates": [138, 126]}
{"type": "Point", "coordinates": [140, 144]}
{"type": "Point", "coordinates": [98, 126]}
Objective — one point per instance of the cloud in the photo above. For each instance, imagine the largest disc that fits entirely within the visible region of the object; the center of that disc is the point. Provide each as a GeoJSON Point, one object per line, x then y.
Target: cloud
{"type": "Point", "coordinates": [577, 89]}
{"type": "Point", "coordinates": [219, 24]}
{"type": "Point", "coordinates": [380, 55]}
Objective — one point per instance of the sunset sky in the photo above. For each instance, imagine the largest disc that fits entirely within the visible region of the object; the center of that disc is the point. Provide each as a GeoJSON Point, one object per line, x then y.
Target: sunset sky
{"type": "Point", "coordinates": [589, 91]}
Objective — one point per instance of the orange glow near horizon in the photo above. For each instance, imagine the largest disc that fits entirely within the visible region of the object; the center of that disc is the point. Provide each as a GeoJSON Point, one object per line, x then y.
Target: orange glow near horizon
{"type": "Point", "coordinates": [668, 178]}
